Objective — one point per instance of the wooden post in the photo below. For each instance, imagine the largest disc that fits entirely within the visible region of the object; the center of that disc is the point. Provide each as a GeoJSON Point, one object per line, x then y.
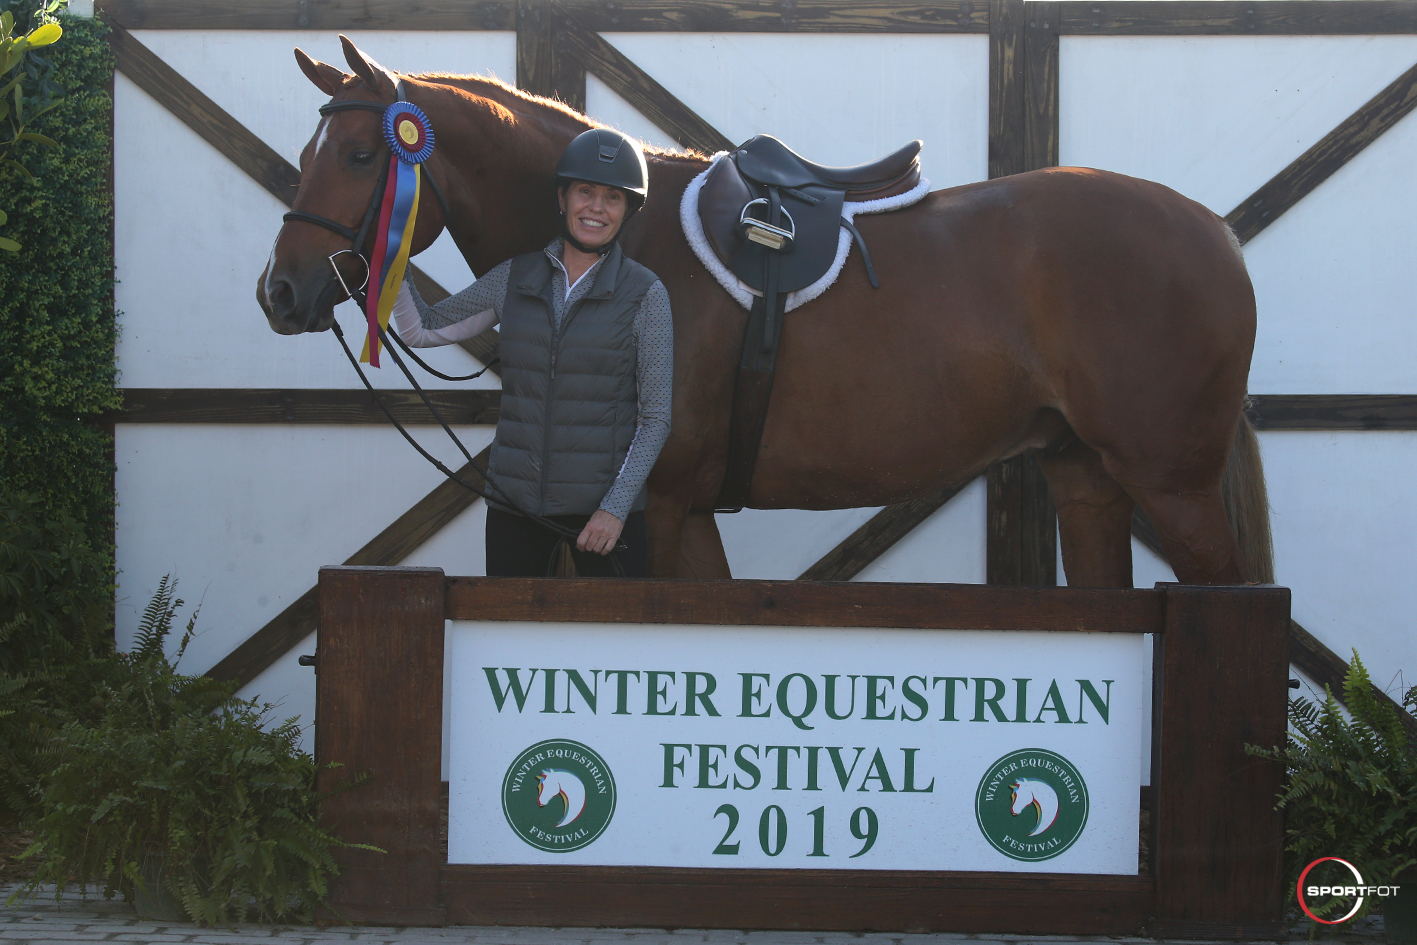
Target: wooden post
{"type": "Point", "coordinates": [544, 65]}
{"type": "Point", "coordinates": [1023, 136]}
{"type": "Point", "coordinates": [379, 706]}
{"type": "Point", "coordinates": [1222, 668]}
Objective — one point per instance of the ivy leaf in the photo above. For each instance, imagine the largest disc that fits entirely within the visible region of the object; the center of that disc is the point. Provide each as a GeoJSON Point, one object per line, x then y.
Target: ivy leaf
{"type": "Point", "coordinates": [9, 245]}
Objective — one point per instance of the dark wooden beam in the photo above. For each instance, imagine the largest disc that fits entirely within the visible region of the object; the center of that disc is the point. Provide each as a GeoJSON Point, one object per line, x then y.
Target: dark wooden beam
{"type": "Point", "coordinates": [291, 626]}
{"type": "Point", "coordinates": [1333, 411]}
{"type": "Point", "coordinates": [1225, 18]}
{"type": "Point", "coordinates": [799, 16]}
{"type": "Point", "coordinates": [379, 699]}
{"type": "Point", "coordinates": [239, 145]}
{"type": "Point", "coordinates": [876, 537]}
{"type": "Point", "coordinates": [307, 15]}
{"type": "Point", "coordinates": [748, 603]}
{"type": "Point", "coordinates": [1114, 17]}
{"type": "Point", "coordinates": [1023, 136]}
{"type": "Point", "coordinates": [303, 405]}
{"type": "Point", "coordinates": [1040, 99]}
{"type": "Point", "coordinates": [1315, 412]}
{"type": "Point", "coordinates": [640, 89]}
{"type": "Point", "coordinates": [701, 16]}
{"type": "Point", "coordinates": [1022, 539]}
{"type": "Point", "coordinates": [1306, 651]}
{"type": "Point", "coordinates": [543, 65]}
{"type": "Point", "coordinates": [1317, 164]}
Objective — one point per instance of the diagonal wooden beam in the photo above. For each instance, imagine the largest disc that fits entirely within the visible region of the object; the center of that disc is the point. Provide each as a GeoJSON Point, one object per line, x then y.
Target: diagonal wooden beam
{"type": "Point", "coordinates": [1306, 651]}
{"type": "Point", "coordinates": [640, 89]}
{"type": "Point", "coordinates": [239, 145]}
{"type": "Point", "coordinates": [287, 629]}
{"type": "Point", "coordinates": [878, 534]}
{"type": "Point", "coordinates": [1319, 163]}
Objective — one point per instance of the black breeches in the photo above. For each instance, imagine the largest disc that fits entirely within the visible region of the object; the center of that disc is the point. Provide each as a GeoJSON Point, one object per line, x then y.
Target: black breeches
{"type": "Point", "coordinates": [518, 547]}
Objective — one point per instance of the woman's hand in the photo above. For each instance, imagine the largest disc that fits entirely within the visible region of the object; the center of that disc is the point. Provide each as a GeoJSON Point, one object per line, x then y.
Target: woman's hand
{"type": "Point", "coordinates": [600, 533]}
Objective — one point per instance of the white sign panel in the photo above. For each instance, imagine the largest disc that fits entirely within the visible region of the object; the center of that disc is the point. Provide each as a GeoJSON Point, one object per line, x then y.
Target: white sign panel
{"type": "Point", "coordinates": [692, 746]}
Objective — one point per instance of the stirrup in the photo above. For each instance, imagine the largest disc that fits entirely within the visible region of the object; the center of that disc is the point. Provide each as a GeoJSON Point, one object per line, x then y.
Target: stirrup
{"type": "Point", "coordinates": [759, 231]}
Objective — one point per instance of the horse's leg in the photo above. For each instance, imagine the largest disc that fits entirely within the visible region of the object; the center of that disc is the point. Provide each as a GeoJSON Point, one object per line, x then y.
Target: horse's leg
{"type": "Point", "coordinates": [1195, 534]}
{"type": "Point", "coordinates": [701, 549]}
{"type": "Point", "coordinates": [1094, 518]}
{"type": "Point", "coordinates": [683, 544]}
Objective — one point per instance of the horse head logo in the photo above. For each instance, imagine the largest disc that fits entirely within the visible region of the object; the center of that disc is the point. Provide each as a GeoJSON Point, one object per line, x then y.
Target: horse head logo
{"type": "Point", "coordinates": [1037, 794]}
{"type": "Point", "coordinates": [553, 782]}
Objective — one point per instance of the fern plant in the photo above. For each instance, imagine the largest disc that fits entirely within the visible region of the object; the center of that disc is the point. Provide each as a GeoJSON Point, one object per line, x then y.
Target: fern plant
{"type": "Point", "coordinates": [176, 766]}
{"type": "Point", "coordinates": [1351, 789]}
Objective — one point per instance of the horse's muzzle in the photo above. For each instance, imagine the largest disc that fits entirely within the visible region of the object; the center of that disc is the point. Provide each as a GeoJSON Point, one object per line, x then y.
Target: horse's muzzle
{"type": "Point", "coordinates": [291, 312]}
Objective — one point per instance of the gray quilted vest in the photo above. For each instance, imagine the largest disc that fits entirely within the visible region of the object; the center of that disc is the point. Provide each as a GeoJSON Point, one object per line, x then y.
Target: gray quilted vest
{"type": "Point", "coordinates": [569, 397]}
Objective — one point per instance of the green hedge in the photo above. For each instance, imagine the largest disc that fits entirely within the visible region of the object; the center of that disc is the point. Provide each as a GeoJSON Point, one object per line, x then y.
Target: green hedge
{"type": "Point", "coordinates": [57, 322]}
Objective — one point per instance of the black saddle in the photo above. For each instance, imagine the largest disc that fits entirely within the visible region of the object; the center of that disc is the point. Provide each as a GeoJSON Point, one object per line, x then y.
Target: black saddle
{"type": "Point", "coordinates": [774, 218]}
{"type": "Point", "coordinates": [736, 202]}
{"type": "Point", "coordinates": [768, 161]}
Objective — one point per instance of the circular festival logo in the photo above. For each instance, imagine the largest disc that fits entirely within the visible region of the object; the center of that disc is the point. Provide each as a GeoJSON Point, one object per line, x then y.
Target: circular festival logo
{"type": "Point", "coordinates": [558, 795]}
{"type": "Point", "coordinates": [1031, 804]}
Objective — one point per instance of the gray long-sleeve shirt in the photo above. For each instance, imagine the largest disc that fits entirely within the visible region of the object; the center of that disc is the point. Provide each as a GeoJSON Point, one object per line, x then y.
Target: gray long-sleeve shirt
{"type": "Point", "coordinates": [479, 307]}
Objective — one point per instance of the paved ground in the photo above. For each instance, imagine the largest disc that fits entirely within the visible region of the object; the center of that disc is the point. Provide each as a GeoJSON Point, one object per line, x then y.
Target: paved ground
{"type": "Point", "coordinates": [46, 922]}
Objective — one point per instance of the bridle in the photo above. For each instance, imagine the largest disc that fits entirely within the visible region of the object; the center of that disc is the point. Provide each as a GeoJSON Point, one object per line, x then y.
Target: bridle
{"type": "Point", "coordinates": [356, 249]}
{"type": "Point", "coordinates": [357, 238]}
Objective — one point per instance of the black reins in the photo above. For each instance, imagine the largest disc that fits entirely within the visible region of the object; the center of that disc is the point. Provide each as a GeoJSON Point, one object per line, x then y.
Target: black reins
{"type": "Point", "coordinates": [358, 294]}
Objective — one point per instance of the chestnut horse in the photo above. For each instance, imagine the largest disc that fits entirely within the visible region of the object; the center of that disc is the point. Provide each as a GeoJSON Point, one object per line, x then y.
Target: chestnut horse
{"type": "Point", "coordinates": [1104, 321]}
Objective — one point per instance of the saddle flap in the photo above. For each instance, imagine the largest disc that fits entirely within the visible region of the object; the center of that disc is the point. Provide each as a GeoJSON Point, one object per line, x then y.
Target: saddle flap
{"type": "Point", "coordinates": [721, 201]}
{"type": "Point", "coordinates": [818, 229]}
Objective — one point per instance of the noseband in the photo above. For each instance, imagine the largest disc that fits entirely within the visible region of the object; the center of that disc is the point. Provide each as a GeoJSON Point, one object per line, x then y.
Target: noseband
{"type": "Point", "coordinates": [356, 239]}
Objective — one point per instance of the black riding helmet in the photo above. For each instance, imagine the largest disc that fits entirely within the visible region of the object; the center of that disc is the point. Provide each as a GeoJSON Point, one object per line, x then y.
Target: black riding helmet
{"type": "Point", "coordinates": [603, 156]}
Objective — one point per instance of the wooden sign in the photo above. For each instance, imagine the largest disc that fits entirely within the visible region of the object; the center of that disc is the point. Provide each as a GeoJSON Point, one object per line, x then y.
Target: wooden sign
{"type": "Point", "coordinates": [927, 845]}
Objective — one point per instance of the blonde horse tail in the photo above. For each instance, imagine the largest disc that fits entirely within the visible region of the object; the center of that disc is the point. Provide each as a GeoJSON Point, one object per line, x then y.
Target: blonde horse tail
{"type": "Point", "coordinates": [1247, 505]}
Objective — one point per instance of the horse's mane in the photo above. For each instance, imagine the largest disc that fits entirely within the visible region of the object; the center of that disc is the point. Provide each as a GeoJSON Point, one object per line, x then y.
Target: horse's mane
{"type": "Point", "coordinates": [494, 88]}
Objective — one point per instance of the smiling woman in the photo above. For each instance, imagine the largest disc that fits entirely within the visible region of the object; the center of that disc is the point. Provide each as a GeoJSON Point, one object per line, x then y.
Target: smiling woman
{"type": "Point", "coordinates": [577, 447]}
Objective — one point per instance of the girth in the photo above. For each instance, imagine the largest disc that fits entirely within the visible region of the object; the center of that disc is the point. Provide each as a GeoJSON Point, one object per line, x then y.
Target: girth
{"type": "Point", "coordinates": [774, 218]}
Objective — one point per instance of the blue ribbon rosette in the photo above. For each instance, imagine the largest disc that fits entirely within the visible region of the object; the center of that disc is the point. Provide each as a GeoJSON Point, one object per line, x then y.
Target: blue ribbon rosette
{"type": "Point", "coordinates": [408, 132]}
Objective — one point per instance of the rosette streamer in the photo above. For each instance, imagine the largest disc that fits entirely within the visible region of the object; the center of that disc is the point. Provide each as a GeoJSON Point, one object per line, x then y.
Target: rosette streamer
{"type": "Point", "coordinates": [410, 139]}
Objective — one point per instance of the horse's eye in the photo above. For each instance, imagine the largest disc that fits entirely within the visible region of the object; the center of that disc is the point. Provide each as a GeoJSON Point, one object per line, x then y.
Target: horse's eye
{"type": "Point", "coordinates": [362, 158]}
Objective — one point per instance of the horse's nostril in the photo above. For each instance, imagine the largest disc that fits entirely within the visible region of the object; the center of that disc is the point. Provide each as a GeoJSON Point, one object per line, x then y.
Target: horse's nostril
{"type": "Point", "coordinates": [282, 297]}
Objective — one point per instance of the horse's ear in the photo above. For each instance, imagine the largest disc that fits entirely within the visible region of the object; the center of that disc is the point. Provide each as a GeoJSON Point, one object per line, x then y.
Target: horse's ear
{"type": "Point", "coordinates": [326, 77]}
{"type": "Point", "coordinates": [379, 80]}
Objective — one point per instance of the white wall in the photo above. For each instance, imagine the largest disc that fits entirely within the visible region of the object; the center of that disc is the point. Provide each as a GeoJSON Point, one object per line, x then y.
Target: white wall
{"type": "Point", "coordinates": [1215, 118]}
{"type": "Point", "coordinates": [243, 516]}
